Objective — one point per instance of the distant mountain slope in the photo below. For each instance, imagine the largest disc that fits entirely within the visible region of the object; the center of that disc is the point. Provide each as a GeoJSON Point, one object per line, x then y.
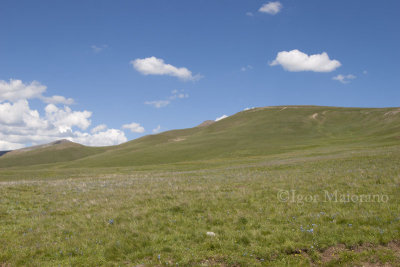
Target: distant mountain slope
{"type": "Point", "coordinates": [4, 152]}
{"type": "Point", "coordinates": [255, 132]}
{"type": "Point", "coordinates": [206, 123]}
{"type": "Point", "coordinates": [56, 144]}
{"type": "Point", "coordinates": [57, 151]}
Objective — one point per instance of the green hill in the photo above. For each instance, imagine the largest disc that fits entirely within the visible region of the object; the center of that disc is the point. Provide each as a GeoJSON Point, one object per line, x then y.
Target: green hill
{"type": "Point", "coordinates": [276, 186]}
{"type": "Point", "coordinates": [55, 152]}
{"type": "Point", "coordinates": [251, 133]}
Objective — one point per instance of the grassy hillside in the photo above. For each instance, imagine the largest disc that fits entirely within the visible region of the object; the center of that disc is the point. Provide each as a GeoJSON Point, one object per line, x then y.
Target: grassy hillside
{"type": "Point", "coordinates": [258, 132]}
{"type": "Point", "coordinates": [258, 180]}
{"type": "Point", "coordinates": [58, 151]}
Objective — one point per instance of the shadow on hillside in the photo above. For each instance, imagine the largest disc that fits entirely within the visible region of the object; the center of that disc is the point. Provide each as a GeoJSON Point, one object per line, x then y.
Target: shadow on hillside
{"type": "Point", "coordinates": [4, 152]}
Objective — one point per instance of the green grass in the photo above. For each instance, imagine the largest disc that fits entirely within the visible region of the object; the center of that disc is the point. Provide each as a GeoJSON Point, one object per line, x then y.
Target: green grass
{"type": "Point", "coordinates": [49, 155]}
{"type": "Point", "coordinates": [79, 213]}
{"type": "Point", "coordinates": [67, 221]}
{"type": "Point", "coordinates": [257, 132]}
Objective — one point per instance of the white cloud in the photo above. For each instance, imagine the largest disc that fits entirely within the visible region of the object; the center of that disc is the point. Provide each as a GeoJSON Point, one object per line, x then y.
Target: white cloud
{"type": "Point", "coordinates": [99, 128]}
{"type": "Point", "coordinates": [57, 99]}
{"type": "Point", "coordinates": [271, 8]}
{"type": "Point", "coordinates": [296, 60]}
{"type": "Point", "coordinates": [98, 49]}
{"type": "Point", "coordinates": [156, 66]}
{"type": "Point", "coordinates": [19, 114]}
{"type": "Point", "coordinates": [108, 137]}
{"type": "Point", "coordinates": [16, 90]}
{"type": "Point", "coordinates": [344, 78]}
{"type": "Point", "coordinates": [65, 119]}
{"type": "Point", "coordinates": [249, 108]}
{"type": "Point", "coordinates": [221, 118]}
{"type": "Point", "coordinates": [134, 127]}
{"type": "Point", "coordinates": [20, 125]}
{"type": "Point", "coordinates": [175, 94]}
{"type": "Point", "coordinates": [365, 72]}
{"type": "Point", "coordinates": [250, 14]}
{"type": "Point", "coordinates": [157, 129]}
{"type": "Point", "coordinates": [4, 145]}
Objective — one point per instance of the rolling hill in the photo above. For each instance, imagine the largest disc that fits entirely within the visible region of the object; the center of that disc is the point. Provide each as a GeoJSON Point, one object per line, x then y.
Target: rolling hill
{"type": "Point", "coordinates": [54, 152]}
{"type": "Point", "coordinates": [251, 133]}
{"type": "Point", "coordinates": [258, 180]}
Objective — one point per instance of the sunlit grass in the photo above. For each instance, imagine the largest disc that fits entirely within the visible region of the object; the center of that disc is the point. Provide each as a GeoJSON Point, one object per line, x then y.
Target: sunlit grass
{"type": "Point", "coordinates": [92, 217]}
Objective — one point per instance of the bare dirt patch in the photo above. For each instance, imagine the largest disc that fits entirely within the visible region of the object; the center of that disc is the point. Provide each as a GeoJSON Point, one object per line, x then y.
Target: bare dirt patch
{"type": "Point", "coordinates": [206, 123]}
{"type": "Point", "coordinates": [314, 116]}
{"type": "Point", "coordinates": [179, 139]}
{"type": "Point", "coordinates": [391, 113]}
{"type": "Point", "coordinates": [332, 254]}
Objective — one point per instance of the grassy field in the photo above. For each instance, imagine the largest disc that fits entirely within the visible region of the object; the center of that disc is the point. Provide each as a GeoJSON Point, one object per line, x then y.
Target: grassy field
{"type": "Point", "coordinates": [332, 201]}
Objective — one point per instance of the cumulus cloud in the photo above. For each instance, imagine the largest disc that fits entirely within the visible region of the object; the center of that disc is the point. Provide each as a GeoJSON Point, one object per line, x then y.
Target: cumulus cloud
{"type": "Point", "coordinates": [157, 129]}
{"type": "Point", "coordinates": [15, 90]}
{"type": "Point", "coordinates": [98, 128]}
{"type": "Point", "coordinates": [296, 60]}
{"type": "Point", "coordinates": [271, 8]}
{"type": "Point", "coordinates": [20, 125]}
{"type": "Point", "coordinates": [19, 114]}
{"type": "Point", "coordinates": [134, 127]}
{"type": "Point", "coordinates": [157, 66]}
{"type": "Point", "coordinates": [64, 119]}
{"type": "Point", "coordinates": [344, 78]}
{"type": "Point", "coordinates": [221, 118]}
{"type": "Point", "coordinates": [175, 94]}
{"type": "Point", "coordinates": [4, 145]}
{"type": "Point", "coordinates": [57, 99]}
{"type": "Point", "coordinates": [107, 137]}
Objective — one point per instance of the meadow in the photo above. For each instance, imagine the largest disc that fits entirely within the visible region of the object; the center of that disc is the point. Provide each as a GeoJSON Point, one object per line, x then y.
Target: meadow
{"type": "Point", "coordinates": [273, 186]}
{"type": "Point", "coordinates": [259, 209]}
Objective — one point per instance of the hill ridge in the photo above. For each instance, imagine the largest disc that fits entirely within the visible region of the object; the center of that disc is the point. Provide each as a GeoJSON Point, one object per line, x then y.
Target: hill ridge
{"type": "Point", "coordinates": [254, 132]}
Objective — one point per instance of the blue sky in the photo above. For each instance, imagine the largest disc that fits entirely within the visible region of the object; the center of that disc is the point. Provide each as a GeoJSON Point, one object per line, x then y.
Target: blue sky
{"type": "Point", "coordinates": [85, 50]}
